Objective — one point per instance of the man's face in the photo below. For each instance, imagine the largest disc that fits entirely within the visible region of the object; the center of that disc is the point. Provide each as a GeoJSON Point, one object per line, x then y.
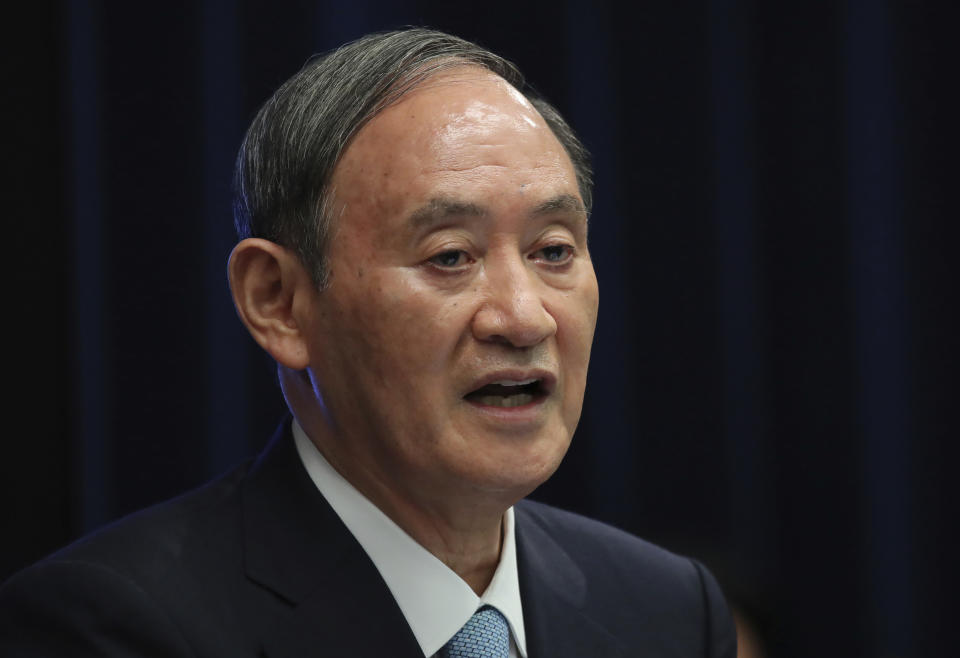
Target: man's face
{"type": "Point", "coordinates": [450, 348]}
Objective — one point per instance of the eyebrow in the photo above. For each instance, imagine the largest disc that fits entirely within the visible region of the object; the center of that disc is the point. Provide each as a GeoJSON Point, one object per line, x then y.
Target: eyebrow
{"type": "Point", "coordinates": [560, 203]}
{"type": "Point", "coordinates": [440, 209]}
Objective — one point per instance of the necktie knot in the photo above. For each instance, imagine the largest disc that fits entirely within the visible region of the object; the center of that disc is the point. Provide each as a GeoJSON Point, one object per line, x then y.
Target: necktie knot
{"type": "Point", "coordinates": [485, 635]}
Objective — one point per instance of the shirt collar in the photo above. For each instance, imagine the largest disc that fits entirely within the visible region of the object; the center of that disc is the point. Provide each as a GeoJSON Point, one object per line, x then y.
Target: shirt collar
{"type": "Point", "coordinates": [435, 601]}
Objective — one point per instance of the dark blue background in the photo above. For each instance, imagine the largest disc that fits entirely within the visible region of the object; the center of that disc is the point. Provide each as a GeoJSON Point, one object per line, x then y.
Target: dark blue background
{"type": "Point", "coordinates": [775, 232]}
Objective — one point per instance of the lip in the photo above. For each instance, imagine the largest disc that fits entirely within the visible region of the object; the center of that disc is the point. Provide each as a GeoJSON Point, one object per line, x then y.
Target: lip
{"type": "Point", "coordinates": [548, 381]}
{"type": "Point", "coordinates": [528, 415]}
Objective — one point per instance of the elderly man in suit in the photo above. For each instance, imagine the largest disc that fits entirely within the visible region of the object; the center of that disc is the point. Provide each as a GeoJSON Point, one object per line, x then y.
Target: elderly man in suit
{"type": "Point", "coordinates": [414, 256]}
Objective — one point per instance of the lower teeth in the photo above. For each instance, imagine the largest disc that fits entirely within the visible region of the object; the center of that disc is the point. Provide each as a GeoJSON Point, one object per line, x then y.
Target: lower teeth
{"type": "Point", "coordinates": [508, 401]}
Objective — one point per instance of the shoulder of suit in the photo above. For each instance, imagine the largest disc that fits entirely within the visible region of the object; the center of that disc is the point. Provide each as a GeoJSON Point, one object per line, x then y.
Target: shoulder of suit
{"type": "Point", "coordinates": [144, 578]}
{"type": "Point", "coordinates": [639, 592]}
{"type": "Point", "coordinates": [606, 552]}
{"type": "Point", "coordinates": [581, 528]}
{"type": "Point", "coordinates": [148, 542]}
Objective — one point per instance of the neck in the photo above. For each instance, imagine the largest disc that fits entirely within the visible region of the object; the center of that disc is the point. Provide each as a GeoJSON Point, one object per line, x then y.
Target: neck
{"type": "Point", "coordinates": [463, 529]}
{"type": "Point", "coordinates": [472, 553]}
{"type": "Point", "coordinates": [462, 533]}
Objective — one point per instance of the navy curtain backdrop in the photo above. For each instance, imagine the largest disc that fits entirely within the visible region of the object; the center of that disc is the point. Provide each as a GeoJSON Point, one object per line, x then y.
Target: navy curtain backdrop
{"type": "Point", "coordinates": [773, 385]}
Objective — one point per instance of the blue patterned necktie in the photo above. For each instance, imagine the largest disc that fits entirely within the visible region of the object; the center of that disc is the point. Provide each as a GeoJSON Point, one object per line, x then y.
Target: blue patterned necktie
{"type": "Point", "coordinates": [485, 635]}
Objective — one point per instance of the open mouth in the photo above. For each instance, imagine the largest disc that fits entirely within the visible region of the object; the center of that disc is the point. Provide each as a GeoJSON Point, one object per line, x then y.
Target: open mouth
{"type": "Point", "coordinates": [508, 394]}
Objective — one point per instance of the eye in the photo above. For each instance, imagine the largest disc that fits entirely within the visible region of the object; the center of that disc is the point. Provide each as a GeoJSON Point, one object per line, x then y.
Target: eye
{"type": "Point", "coordinates": [450, 259]}
{"type": "Point", "coordinates": [554, 254]}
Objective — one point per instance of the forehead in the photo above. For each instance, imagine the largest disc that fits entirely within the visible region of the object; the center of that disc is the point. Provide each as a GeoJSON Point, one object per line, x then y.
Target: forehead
{"type": "Point", "coordinates": [465, 127]}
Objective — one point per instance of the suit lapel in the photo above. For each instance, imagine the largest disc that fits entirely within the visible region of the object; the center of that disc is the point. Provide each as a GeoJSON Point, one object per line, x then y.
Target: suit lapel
{"type": "Point", "coordinates": [352, 614]}
{"type": "Point", "coordinates": [297, 547]}
{"type": "Point", "coordinates": [554, 590]}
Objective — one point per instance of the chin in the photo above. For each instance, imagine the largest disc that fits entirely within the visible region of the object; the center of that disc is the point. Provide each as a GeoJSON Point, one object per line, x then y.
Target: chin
{"type": "Point", "coordinates": [521, 471]}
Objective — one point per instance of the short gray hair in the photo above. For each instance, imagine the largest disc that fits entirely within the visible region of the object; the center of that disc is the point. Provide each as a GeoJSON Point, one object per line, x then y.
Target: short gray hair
{"type": "Point", "coordinates": [283, 171]}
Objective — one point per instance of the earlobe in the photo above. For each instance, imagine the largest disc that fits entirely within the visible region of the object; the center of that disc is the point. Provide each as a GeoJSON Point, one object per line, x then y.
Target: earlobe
{"type": "Point", "coordinates": [268, 283]}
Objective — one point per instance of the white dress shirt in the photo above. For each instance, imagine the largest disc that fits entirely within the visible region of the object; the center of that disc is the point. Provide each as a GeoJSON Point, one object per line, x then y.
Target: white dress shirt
{"type": "Point", "coordinates": [435, 601]}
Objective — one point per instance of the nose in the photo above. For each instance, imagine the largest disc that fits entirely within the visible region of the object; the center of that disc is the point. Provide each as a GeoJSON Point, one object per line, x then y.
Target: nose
{"type": "Point", "coordinates": [512, 311]}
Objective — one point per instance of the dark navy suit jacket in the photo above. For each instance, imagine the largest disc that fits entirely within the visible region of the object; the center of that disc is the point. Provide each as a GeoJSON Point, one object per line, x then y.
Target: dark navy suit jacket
{"type": "Point", "coordinates": [258, 564]}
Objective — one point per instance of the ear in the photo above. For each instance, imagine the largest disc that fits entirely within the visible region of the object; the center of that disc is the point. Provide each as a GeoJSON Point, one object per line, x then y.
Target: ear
{"type": "Point", "coordinates": [273, 293]}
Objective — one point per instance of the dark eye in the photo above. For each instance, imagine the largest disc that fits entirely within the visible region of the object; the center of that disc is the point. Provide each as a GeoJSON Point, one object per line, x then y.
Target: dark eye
{"type": "Point", "coordinates": [452, 258]}
{"type": "Point", "coordinates": [555, 253]}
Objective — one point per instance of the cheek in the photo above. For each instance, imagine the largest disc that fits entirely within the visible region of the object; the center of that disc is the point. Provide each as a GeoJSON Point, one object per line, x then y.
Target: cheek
{"type": "Point", "coordinates": [401, 329]}
{"type": "Point", "coordinates": [576, 322]}
{"type": "Point", "coordinates": [576, 315]}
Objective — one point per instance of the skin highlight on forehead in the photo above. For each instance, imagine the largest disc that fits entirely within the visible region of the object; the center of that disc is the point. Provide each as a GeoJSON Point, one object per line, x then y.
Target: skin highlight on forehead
{"type": "Point", "coordinates": [483, 122]}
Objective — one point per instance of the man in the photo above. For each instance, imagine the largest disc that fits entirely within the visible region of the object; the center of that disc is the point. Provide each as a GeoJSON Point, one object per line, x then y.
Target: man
{"type": "Point", "coordinates": [414, 257]}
